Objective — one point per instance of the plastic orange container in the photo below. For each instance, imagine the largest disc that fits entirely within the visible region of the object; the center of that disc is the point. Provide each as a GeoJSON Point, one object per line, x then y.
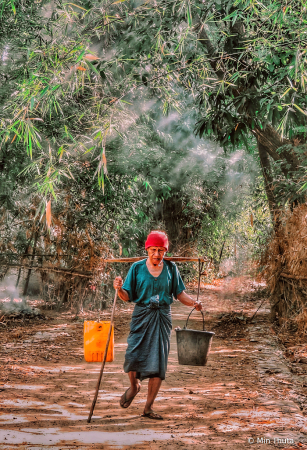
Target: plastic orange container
{"type": "Point", "coordinates": [95, 339]}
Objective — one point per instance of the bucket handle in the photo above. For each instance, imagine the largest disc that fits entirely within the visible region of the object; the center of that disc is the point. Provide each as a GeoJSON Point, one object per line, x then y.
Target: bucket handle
{"type": "Point", "coordinates": [186, 325]}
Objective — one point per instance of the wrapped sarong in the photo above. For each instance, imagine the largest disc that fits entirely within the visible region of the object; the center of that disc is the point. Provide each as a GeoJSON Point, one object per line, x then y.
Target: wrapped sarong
{"type": "Point", "coordinates": [149, 341]}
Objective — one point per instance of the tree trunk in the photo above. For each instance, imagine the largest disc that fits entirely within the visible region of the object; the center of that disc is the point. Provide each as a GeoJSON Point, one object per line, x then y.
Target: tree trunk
{"type": "Point", "coordinates": [26, 252]}
{"type": "Point", "coordinates": [170, 212]}
{"type": "Point", "coordinates": [31, 262]}
{"type": "Point", "coordinates": [272, 141]}
{"type": "Point", "coordinates": [267, 175]}
{"type": "Point", "coordinates": [18, 277]}
{"type": "Point", "coordinates": [211, 49]}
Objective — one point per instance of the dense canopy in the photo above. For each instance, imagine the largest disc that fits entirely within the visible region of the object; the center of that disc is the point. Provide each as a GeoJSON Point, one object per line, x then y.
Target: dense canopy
{"type": "Point", "coordinates": [121, 116]}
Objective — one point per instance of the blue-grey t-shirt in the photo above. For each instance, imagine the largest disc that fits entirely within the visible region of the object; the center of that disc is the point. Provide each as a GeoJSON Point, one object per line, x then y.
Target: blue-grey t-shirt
{"type": "Point", "coordinates": [141, 285]}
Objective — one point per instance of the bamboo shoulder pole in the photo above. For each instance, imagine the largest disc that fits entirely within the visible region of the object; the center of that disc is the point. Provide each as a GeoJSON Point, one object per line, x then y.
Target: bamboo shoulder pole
{"type": "Point", "coordinates": [104, 361]}
{"type": "Point", "coordinates": [167, 258]}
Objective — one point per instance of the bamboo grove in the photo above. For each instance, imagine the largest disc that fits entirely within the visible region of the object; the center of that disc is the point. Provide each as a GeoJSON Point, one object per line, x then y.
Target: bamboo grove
{"type": "Point", "coordinates": [117, 116]}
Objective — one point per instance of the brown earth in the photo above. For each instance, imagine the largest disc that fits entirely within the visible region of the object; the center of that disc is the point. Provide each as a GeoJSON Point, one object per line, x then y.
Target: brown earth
{"type": "Point", "coordinates": [249, 395]}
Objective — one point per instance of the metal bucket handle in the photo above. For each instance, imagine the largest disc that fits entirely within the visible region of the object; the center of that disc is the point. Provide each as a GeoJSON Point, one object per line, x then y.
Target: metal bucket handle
{"type": "Point", "coordinates": [186, 325]}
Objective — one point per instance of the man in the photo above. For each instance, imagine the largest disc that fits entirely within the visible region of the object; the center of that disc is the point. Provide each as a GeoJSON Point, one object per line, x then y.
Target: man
{"type": "Point", "coordinates": [151, 284]}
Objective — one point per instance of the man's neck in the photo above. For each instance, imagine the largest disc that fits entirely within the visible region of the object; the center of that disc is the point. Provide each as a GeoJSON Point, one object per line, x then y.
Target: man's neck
{"type": "Point", "coordinates": [154, 266]}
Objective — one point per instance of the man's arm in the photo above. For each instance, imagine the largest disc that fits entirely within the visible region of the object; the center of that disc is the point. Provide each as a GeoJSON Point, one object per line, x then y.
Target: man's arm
{"type": "Point", "coordinates": [117, 284]}
{"type": "Point", "coordinates": [184, 298]}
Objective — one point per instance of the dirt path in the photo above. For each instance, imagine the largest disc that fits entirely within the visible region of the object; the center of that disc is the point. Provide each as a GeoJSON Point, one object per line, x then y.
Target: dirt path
{"type": "Point", "coordinates": [246, 396]}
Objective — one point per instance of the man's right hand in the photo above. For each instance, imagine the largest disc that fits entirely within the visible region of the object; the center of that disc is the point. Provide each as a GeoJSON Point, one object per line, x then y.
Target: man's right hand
{"type": "Point", "coordinates": [118, 283]}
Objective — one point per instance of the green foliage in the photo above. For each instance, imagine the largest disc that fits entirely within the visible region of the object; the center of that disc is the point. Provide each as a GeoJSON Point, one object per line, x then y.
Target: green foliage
{"type": "Point", "coordinates": [241, 225]}
{"type": "Point", "coordinates": [99, 101]}
{"type": "Point", "coordinates": [65, 101]}
{"type": "Point", "coordinates": [262, 56]}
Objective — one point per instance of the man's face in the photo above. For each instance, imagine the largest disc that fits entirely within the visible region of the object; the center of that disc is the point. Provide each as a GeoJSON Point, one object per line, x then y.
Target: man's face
{"type": "Point", "coordinates": [155, 254]}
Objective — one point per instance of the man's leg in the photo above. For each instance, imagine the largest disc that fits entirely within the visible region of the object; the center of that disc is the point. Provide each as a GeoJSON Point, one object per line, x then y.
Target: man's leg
{"type": "Point", "coordinates": [135, 384]}
{"type": "Point", "coordinates": [154, 385]}
{"type": "Point", "coordinates": [134, 388]}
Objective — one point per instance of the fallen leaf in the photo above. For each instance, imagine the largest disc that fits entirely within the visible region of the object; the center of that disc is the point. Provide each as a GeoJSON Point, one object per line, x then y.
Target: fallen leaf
{"type": "Point", "coordinates": [48, 213]}
{"type": "Point", "coordinates": [267, 421]}
{"type": "Point", "coordinates": [90, 57]}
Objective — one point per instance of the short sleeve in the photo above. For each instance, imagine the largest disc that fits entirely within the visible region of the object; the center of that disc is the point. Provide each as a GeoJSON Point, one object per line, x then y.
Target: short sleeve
{"type": "Point", "coordinates": [177, 283]}
{"type": "Point", "coordinates": [130, 283]}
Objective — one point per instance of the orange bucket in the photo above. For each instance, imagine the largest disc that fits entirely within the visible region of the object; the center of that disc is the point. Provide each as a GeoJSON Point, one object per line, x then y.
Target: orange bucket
{"type": "Point", "coordinates": [95, 339]}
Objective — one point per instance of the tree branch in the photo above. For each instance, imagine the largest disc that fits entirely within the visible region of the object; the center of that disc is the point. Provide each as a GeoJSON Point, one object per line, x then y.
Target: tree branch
{"type": "Point", "coordinates": [272, 141]}
{"type": "Point", "coordinates": [267, 137]}
{"type": "Point", "coordinates": [206, 42]}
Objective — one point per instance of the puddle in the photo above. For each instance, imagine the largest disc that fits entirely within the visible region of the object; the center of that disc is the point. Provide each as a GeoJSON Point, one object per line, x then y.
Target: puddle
{"type": "Point", "coordinates": [254, 413]}
{"type": "Point", "coordinates": [46, 336]}
{"type": "Point", "coordinates": [219, 389]}
{"type": "Point", "coordinates": [77, 405]}
{"type": "Point", "coordinates": [23, 386]}
{"type": "Point", "coordinates": [219, 413]}
{"type": "Point", "coordinates": [109, 397]}
{"type": "Point", "coordinates": [194, 434]}
{"type": "Point", "coordinates": [40, 430]}
{"type": "Point", "coordinates": [23, 403]}
{"type": "Point", "coordinates": [231, 426]}
{"type": "Point", "coordinates": [51, 436]}
{"type": "Point", "coordinates": [12, 418]}
{"type": "Point", "coordinates": [158, 399]}
{"type": "Point", "coordinates": [175, 390]}
{"type": "Point", "coordinates": [268, 421]}
{"type": "Point", "coordinates": [269, 415]}
{"type": "Point", "coordinates": [63, 413]}
{"type": "Point", "coordinates": [56, 410]}
{"type": "Point", "coordinates": [55, 370]}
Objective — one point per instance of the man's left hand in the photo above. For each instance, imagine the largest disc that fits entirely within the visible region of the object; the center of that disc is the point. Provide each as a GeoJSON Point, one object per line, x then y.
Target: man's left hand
{"type": "Point", "coordinates": [198, 306]}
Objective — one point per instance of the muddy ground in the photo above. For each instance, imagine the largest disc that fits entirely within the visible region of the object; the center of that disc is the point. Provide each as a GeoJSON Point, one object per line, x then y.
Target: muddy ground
{"type": "Point", "coordinates": [251, 394]}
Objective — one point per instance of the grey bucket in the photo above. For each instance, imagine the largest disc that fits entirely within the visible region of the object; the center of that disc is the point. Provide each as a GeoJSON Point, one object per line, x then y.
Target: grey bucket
{"type": "Point", "coordinates": [193, 346]}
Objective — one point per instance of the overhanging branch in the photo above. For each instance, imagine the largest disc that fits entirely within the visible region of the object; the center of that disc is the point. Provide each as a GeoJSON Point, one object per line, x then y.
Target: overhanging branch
{"type": "Point", "coordinates": [268, 137]}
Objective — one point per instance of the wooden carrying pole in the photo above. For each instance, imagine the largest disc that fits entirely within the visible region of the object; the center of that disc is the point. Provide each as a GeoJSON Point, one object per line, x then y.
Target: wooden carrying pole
{"type": "Point", "coordinates": [200, 269]}
{"type": "Point", "coordinates": [104, 361]}
{"type": "Point", "coordinates": [167, 258]}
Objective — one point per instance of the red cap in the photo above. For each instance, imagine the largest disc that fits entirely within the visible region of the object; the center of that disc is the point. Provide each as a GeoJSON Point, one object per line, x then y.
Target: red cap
{"type": "Point", "coordinates": [156, 239]}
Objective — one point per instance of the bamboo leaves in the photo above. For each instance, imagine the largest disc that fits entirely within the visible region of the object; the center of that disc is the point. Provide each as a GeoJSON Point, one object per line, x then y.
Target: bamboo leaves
{"type": "Point", "coordinates": [13, 6]}
{"type": "Point", "coordinates": [101, 170]}
{"type": "Point", "coordinates": [189, 13]}
{"type": "Point", "coordinates": [157, 49]}
{"type": "Point", "coordinates": [93, 68]}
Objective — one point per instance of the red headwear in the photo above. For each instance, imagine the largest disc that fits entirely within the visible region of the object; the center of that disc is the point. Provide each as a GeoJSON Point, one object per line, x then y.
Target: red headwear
{"type": "Point", "coordinates": [156, 239]}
